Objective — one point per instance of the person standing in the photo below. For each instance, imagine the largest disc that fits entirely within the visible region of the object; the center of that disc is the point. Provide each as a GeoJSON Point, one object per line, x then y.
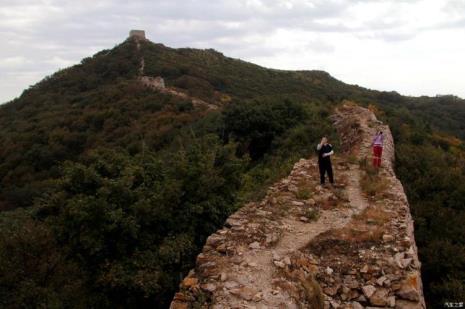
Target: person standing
{"type": "Point", "coordinates": [325, 151]}
{"type": "Point", "coordinates": [377, 145]}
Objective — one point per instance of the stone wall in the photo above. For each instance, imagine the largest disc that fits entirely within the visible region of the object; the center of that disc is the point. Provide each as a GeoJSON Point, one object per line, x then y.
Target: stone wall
{"type": "Point", "coordinates": [153, 82]}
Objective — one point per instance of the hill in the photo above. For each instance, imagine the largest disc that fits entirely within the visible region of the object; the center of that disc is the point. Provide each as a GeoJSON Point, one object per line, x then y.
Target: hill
{"type": "Point", "coordinates": [113, 181]}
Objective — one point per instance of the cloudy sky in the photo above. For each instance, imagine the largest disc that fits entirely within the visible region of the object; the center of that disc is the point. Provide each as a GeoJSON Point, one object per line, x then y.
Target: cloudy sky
{"type": "Point", "coordinates": [415, 47]}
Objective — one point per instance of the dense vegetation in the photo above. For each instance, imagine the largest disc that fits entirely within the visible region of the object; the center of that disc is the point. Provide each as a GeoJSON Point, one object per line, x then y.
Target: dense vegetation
{"type": "Point", "coordinates": [109, 189]}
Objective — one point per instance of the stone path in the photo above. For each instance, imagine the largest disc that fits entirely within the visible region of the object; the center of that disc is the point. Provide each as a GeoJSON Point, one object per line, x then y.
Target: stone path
{"type": "Point", "coordinates": [263, 263]}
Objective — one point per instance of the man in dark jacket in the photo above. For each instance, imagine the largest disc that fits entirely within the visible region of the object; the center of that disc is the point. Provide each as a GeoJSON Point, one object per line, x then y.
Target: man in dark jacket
{"type": "Point", "coordinates": [325, 151]}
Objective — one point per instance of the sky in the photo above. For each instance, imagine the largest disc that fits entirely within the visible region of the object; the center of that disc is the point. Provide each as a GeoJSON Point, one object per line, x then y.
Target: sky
{"type": "Point", "coordinates": [414, 47]}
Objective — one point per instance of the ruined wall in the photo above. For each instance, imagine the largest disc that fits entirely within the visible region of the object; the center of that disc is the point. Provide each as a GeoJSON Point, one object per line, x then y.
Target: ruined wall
{"type": "Point", "coordinates": [153, 82]}
{"type": "Point", "coordinates": [308, 246]}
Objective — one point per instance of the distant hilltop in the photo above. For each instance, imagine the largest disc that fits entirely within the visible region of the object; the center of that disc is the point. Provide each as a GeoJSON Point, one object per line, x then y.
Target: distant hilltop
{"type": "Point", "coordinates": [140, 34]}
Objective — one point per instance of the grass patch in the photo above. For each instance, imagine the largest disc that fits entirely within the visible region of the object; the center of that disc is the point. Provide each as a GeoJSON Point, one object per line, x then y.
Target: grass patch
{"type": "Point", "coordinates": [368, 226]}
{"type": "Point", "coordinates": [363, 163]}
{"type": "Point", "coordinates": [355, 235]}
{"type": "Point", "coordinates": [303, 193]}
{"type": "Point", "coordinates": [371, 182]}
{"type": "Point", "coordinates": [281, 209]}
{"type": "Point", "coordinates": [341, 194]}
{"type": "Point", "coordinates": [313, 292]}
{"type": "Point", "coordinates": [373, 185]}
{"type": "Point", "coordinates": [352, 159]}
{"type": "Point", "coordinates": [373, 215]}
{"type": "Point", "coordinates": [312, 214]}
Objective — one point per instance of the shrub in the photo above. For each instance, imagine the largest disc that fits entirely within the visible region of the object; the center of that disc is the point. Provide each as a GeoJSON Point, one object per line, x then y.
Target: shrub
{"type": "Point", "coordinates": [312, 214]}
{"type": "Point", "coordinates": [313, 292]}
{"type": "Point", "coordinates": [303, 193]}
{"type": "Point", "coordinates": [255, 125]}
{"type": "Point", "coordinates": [373, 184]}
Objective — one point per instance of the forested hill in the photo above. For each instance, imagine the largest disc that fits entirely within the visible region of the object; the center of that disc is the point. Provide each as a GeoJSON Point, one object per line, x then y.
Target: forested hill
{"type": "Point", "coordinates": [101, 102]}
{"type": "Point", "coordinates": [111, 186]}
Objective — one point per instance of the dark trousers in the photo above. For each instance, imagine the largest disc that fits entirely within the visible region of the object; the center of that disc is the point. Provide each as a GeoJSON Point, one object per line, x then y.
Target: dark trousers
{"type": "Point", "coordinates": [325, 167]}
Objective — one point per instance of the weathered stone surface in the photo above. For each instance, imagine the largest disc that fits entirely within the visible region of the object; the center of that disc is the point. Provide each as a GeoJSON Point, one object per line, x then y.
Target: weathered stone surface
{"type": "Point", "coordinates": [231, 284]}
{"type": "Point", "coordinates": [236, 260]}
{"type": "Point", "coordinates": [388, 238]}
{"type": "Point", "coordinates": [293, 189]}
{"type": "Point", "coordinates": [190, 282]}
{"type": "Point", "coordinates": [279, 264]}
{"type": "Point", "coordinates": [379, 297]}
{"type": "Point", "coordinates": [210, 287]}
{"type": "Point", "coordinates": [181, 297]}
{"type": "Point", "coordinates": [246, 293]}
{"type": "Point", "coordinates": [364, 269]}
{"type": "Point", "coordinates": [368, 290]}
{"type": "Point", "coordinates": [409, 293]}
{"type": "Point", "coordinates": [311, 202]}
{"type": "Point", "coordinates": [381, 280]}
{"type": "Point", "coordinates": [254, 245]}
{"type": "Point", "coordinates": [351, 283]}
{"type": "Point", "coordinates": [221, 248]}
{"type": "Point", "coordinates": [356, 305]}
{"type": "Point", "coordinates": [406, 262]}
{"type": "Point", "coordinates": [329, 270]}
{"type": "Point", "coordinates": [409, 289]}
{"type": "Point", "coordinates": [179, 305]}
{"type": "Point", "coordinates": [391, 301]}
{"type": "Point", "coordinates": [287, 260]}
{"type": "Point", "coordinates": [405, 304]}
{"type": "Point", "coordinates": [214, 240]}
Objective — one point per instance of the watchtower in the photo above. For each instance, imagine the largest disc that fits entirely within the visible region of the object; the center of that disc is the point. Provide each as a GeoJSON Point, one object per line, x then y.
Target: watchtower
{"type": "Point", "coordinates": [139, 34]}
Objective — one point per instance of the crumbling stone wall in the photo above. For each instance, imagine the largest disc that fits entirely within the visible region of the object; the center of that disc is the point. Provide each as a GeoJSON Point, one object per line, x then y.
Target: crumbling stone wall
{"type": "Point", "coordinates": [153, 82]}
{"type": "Point", "coordinates": [307, 246]}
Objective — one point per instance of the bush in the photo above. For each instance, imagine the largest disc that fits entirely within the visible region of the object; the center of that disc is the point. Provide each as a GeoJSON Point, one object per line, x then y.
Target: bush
{"type": "Point", "coordinates": [134, 223]}
{"type": "Point", "coordinates": [303, 193]}
{"type": "Point", "coordinates": [312, 214]}
{"type": "Point", "coordinates": [256, 125]}
{"type": "Point", "coordinates": [34, 269]}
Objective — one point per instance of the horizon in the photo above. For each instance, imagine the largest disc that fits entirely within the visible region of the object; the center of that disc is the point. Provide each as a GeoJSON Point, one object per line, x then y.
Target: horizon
{"type": "Point", "coordinates": [406, 47]}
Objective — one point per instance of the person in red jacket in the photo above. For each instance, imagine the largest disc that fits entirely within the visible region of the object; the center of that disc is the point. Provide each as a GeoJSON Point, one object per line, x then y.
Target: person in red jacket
{"type": "Point", "coordinates": [377, 145]}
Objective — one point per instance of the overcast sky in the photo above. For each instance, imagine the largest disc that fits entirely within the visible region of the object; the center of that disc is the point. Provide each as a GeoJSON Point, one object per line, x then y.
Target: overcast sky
{"type": "Point", "coordinates": [415, 47]}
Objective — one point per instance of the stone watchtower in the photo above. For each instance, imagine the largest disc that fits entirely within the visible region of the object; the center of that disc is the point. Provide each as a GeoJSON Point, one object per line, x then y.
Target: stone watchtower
{"type": "Point", "coordinates": [138, 34]}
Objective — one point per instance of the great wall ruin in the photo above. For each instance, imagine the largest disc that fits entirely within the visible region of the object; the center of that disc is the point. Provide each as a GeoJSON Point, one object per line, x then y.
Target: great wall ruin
{"type": "Point", "coordinates": [307, 246]}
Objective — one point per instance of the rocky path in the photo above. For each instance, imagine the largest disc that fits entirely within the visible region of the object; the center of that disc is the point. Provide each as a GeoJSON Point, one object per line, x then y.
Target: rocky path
{"type": "Point", "coordinates": [264, 263]}
{"type": "Point", "coordinates": [303, 245]}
